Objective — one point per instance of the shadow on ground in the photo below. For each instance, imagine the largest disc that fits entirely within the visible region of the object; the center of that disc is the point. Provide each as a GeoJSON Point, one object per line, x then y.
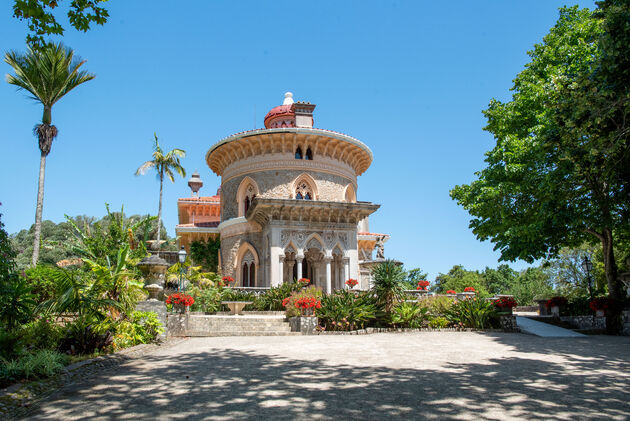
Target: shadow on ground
{"type": "Point", "coordinates": [588, 380]}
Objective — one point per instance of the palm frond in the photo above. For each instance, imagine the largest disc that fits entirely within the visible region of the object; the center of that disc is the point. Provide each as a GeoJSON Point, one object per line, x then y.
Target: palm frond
{"type": "Point", "coordinates": [142, 169]}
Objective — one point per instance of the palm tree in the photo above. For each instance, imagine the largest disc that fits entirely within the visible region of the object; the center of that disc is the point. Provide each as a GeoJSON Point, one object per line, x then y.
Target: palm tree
{"type": "Point", "coordinates": [388, 283]}
{"type": "Point", "coordinates": [47, 73]}
{"type": "Point", "coordinates": [164, 164]}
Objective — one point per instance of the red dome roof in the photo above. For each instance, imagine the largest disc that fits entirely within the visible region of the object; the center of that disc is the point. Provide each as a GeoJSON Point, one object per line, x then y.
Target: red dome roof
{"type": "Point", "coordinates": [279, 111]}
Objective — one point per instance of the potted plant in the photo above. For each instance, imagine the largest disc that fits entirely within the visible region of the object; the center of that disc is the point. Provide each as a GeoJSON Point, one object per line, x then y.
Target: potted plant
{"type": "Point", "coordinates": [300, 309]}
{"type": "Point", "coordinates": [180, 302]}
{"type": "Point", "coordinates": [352, 283]}
{"type": "Point", "coordinates": [555, 303]}
{"type": "Point", "coordinates": [505, 304]}
{"type": "Point", "coordinates": [451, 292]}
{"type": "Point", "coordinates": [423, 285]}
{"type": "Point", "coordinates": [601, 304]}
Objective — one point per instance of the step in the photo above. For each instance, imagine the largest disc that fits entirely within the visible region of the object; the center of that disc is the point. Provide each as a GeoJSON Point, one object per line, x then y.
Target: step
{"type": "Point", "coordinates": [241, 333]}
{"type": "Point", "coordinates": [533, 327]}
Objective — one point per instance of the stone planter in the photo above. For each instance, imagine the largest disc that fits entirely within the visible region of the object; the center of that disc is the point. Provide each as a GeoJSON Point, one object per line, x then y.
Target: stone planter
{"type": "Point", "coordinates": [304, 324]}
{"type": "Point", "coordinates": [555, 311]}
{"type": "Point", "coordinates": [600, 313]}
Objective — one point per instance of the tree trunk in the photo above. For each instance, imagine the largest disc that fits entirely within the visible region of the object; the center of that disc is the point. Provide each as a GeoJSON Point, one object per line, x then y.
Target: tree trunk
{"type": "Point", "coordinates": [613, 317]}
{"type": "Point", "coordinates": [159, 220]}
{"type": "Point", "coordinates": [39, 209]}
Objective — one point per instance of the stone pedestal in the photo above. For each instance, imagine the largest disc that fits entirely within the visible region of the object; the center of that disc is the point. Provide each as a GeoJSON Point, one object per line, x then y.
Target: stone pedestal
{"type": "Point", "coordinates": [305, 325]}
{"type": "Point", "coordinates": [153, 268]}
{"type": "Point", "coordinates": [508, 323]}
{"type": "Point", "coordinates": [157, 307]}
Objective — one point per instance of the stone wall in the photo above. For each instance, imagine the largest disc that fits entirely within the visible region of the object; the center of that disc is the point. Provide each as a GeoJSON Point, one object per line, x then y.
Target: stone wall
{"type": "Point", "coordinates": [626, 322]}
{"type": "Point", "coordinates": [279, 184]}
{"type": "Point", "coordinates": [585, 322]}
{"type": "Point", "coordinates": [229, 248]}
{"type": "Point", "coordinates": [159, 308]}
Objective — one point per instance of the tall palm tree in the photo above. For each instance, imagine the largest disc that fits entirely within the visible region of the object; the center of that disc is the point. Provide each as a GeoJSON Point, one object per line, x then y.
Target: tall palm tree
{"type": "Point", "coordinates": [164, 164]}
{"type": "Point", "coordinates": [47, 73]}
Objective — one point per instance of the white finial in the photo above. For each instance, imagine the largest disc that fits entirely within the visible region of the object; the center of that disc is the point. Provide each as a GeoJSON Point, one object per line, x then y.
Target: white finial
{"type": "Point", "coordinates": [288, 98]}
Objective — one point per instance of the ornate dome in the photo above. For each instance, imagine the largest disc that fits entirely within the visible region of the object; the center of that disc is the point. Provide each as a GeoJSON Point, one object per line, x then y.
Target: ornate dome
{"type": "Point", "coordinates": [282, 115]}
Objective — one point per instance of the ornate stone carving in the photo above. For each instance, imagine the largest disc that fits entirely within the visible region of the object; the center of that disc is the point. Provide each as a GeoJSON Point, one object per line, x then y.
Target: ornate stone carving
{"type": "Point", "coordinates": [329, 238]}
{"type": "Point", "coordinates": [343, 239]}
{"type": "Point", "coordinates": [313, 244]}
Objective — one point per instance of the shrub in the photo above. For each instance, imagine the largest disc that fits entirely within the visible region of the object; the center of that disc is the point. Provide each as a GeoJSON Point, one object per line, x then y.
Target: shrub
{"type": "Point", "coordinates": [142, 328]}
{"type": "Point", "coordinates": [272, 299]}
{"type": "Point", "coordinates": [389, 284]}
{"type": "Point", "coordinates": [438, 323]}
{"type": "Point", "coordinates": [17, 302]}
{"type": "Point", "coordinates": [409, 314]}
{"type": "Point", "coordinates": [206, 299]}
{"type": "Point", "coordinates": [438, 306]}
{"type": "Point", "coordinates": [42, 363]}
{"type": "Point", "coordinates": [41, 280]}
{"type": "Point", "coordinates": [42, 333]}
{"type": "Point", "coordinates": [345, 310]}
{"type": "Point", "coordinates": [303, 302]}
{"type": "Point", "coordinates": [474, 313]}
{"type": "Point", "coordinates": [11, 344]}
{"type": "Point", "coordinates": [86, 335]}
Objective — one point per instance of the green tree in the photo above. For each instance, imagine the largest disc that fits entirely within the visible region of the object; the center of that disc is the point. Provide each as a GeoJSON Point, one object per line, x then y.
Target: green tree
{"type": "Point", "coordinates": [42, 21]}
{"type": "Point", "coordinates": [552, 180]}
{"type": "Point", "coordinates": [48, 74]}
{"type": "Point", "coordinates": [531, 284]}
{"type": "Point", "coordinates": [164, 164]}
{"type": "Point", "coordinates": [499, 280]}
{"type": "Point", "coordinates": [458, 279]}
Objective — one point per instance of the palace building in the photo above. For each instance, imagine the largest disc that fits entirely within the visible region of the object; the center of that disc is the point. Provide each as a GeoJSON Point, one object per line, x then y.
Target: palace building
{"type": "Point", "coordinates": [287, 206]}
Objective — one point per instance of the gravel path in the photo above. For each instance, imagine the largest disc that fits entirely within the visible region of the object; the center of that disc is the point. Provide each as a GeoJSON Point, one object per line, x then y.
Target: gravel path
{"type": "Point", "coordinates": [433, 375]}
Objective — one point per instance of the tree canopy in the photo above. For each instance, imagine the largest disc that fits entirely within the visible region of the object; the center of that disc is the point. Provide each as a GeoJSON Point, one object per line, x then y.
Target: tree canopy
{"type": "Point", "coordinates": [557, 176]}
{"type": "Point", "coordinates": [42, 16]}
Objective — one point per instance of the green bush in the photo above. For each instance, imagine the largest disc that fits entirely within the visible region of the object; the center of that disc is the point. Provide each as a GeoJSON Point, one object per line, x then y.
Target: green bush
{"type": "Point", "coordinates": [143, 327]}
{"type": "Point", "coordinates": [438, 306]}
{"type": "Point", "coordinates": [389, 284]}
{"type": "Point", "coordinates": [474, 313]}
{"type": "Point", "coordinates": [206, 299]}
{"type": "Point", "coordinates": [41, 280]}
{"type": "Point", "coordinates": [272, 299]}
{"type": "Point", "coordinates": [408, 315]}
{"type": "Point", "coordinates": [438, 323]}
{"type": "Point", "coordinates": [345, 310]}
{"type": "Point", "coordinates": [42, 333]}
{"type": "Point", "coordinates": [11, 344]}
{"type": "Point", "coordinates": [578, 306]}
{"type": "Point", "coordinates": [42, 363]}
{"type": "Point", "coordinates": [86, 335]}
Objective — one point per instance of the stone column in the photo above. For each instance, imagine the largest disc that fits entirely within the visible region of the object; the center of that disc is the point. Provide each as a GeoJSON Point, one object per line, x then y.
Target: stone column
{"type": "Point", "coordinates": [281, 271]}
{"type": "Point", "coordinates": [327, 259]}
{"type": "Point", "coordinates": [299, 266]}
{"type": "Point", "coordinates": [346, 269]}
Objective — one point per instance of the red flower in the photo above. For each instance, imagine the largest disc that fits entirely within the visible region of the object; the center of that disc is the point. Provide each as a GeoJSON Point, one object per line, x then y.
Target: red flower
{"type": "Point", "coordinates": [424, 283]}
{"type": "Point", "coordinates": [469, 289]}
{"type": "Point", "coordinates": [304, 280]}
{"type": "Point", "coordinates": [352, 283]}
{"type": "Point", "coordinates": [180, 299]}
{"type": "Point", "coordinates": [505, 302]}
{"type": "Point", "coordinates": [450, 291]}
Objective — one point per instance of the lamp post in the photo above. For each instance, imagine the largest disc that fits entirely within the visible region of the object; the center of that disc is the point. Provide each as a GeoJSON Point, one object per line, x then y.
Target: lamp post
{"type": "Point", "coordinates": [587, 266]}
{"type": "Point", "coordinates": [181, 255]}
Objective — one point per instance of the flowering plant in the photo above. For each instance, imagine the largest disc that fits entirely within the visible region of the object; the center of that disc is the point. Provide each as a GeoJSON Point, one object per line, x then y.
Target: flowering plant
{"type": "Point", "coordinates": [304, 281]}
{"type": "Point", "coordinates": [450, 291]}
{"type": "Point", "coordinates": [602, 303]}
{"type": "Point", "coordinates": [422, 285]}
{"type": "Point", "coordinates": [505, 302]}
{"type": "Point", "coordinates": [556, 302]}
{"type": "Point", "coordinates": [303, 303]}
{"type": "Point", "coordinates": [469, 289]}
{"type": "Point", "coordinates": [181, 299]}
{"type": "Point", "coordinates": [352, 283]}
{"type": "Point", "coordinates": [226, 280]}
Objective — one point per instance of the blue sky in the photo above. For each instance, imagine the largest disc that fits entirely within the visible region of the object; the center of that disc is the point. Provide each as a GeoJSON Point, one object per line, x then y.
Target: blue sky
{"type": "Point", "coordinates": [408, 78]}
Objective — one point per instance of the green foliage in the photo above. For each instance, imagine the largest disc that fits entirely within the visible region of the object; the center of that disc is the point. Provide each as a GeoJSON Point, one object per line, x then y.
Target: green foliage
{"type": "Point", "coordinates": [531, 284]}
{"type": "Point", "coordinates": [389, 284]}
{"type": "Point", "coordinates": [499, 280]}
{"type": "Point", "coordinates": [17, 302]}
{"type": "Point", "coordinates": [41, 17]}
{"type": "Point", "coordinates": [41, 333]}
{"type": "Point", "coordinates": [194, 274]}
{"type": "Point", "coordinates": [42, 363]}
{"type": "Point", "coordinates": [41, 281]}
{"type": "Point", "coordinates": [438, 306]}
{"type": "Point", "coordinates": [558, 175]}
{"type": "Point", "coordinates": [438, 322]}
{"type": "Point", "coordinates": [412, 278]}
{"type": "Point", "coordinates": [206, 299]}
{"type": "Point", "coordinates": [459, 278]}
{"type": "Point", "coordinates": [409, 315]}
{"type": "Point", "coordinates": [346, 310]}
{"type": "Point", "coordinates": [206, 253]}
{"type": "Point", "coordinates": [474, 313]}
{"type": "Point", "coordinates": [271, 300]}
{"type": "Point", "coordinates": [7, 254]}
{"type": "Point", "coordinates": [85, 335]}
{"type": "Point", "coordinates": [11, 344]}
{"type": "Point", "coordinates": [577, 306]}
{"type": "Point", "coordinates": [53, 245]}
{"type": "Point", "coordinates": [141, 328]}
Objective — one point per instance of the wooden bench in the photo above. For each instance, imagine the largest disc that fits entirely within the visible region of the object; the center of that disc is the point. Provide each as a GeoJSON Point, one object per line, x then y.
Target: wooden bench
{"type": "Point", "coordinates": [236, 307]}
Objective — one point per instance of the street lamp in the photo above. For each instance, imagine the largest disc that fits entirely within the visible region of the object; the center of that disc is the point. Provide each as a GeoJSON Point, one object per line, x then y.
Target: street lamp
{"type": "Point", "coordinates": [587, 266]}
{"type": "Point", "coordinates": [181, 255]}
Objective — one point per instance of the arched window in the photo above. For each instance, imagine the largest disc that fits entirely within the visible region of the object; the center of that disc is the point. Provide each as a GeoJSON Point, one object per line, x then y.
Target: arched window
{"type": "Point", "coordinates": [309, 155]}
{"type": "Point", "coordinates": [303, 191]}
{"type": "Point", "coordinates": [247, 203]}
{"type": "Point", "coordinates": [245, 275]}
{"type": "Point", "coordinates": [245, 195]}
{"type": "Point", "coordinates": [252, 274]}
{"type": "Point", "coordinates": [248, 270]}
{"type": "Point", "coordinates": [298, 153]}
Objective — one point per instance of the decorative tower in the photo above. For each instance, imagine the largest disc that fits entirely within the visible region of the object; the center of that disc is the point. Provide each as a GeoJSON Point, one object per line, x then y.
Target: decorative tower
{"type": "Point", "coordinates": [195, 184]}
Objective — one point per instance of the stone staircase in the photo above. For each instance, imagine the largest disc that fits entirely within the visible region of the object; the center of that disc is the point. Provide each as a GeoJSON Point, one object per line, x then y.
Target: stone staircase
{"type": "Point", "coordinates": [227, 325]}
